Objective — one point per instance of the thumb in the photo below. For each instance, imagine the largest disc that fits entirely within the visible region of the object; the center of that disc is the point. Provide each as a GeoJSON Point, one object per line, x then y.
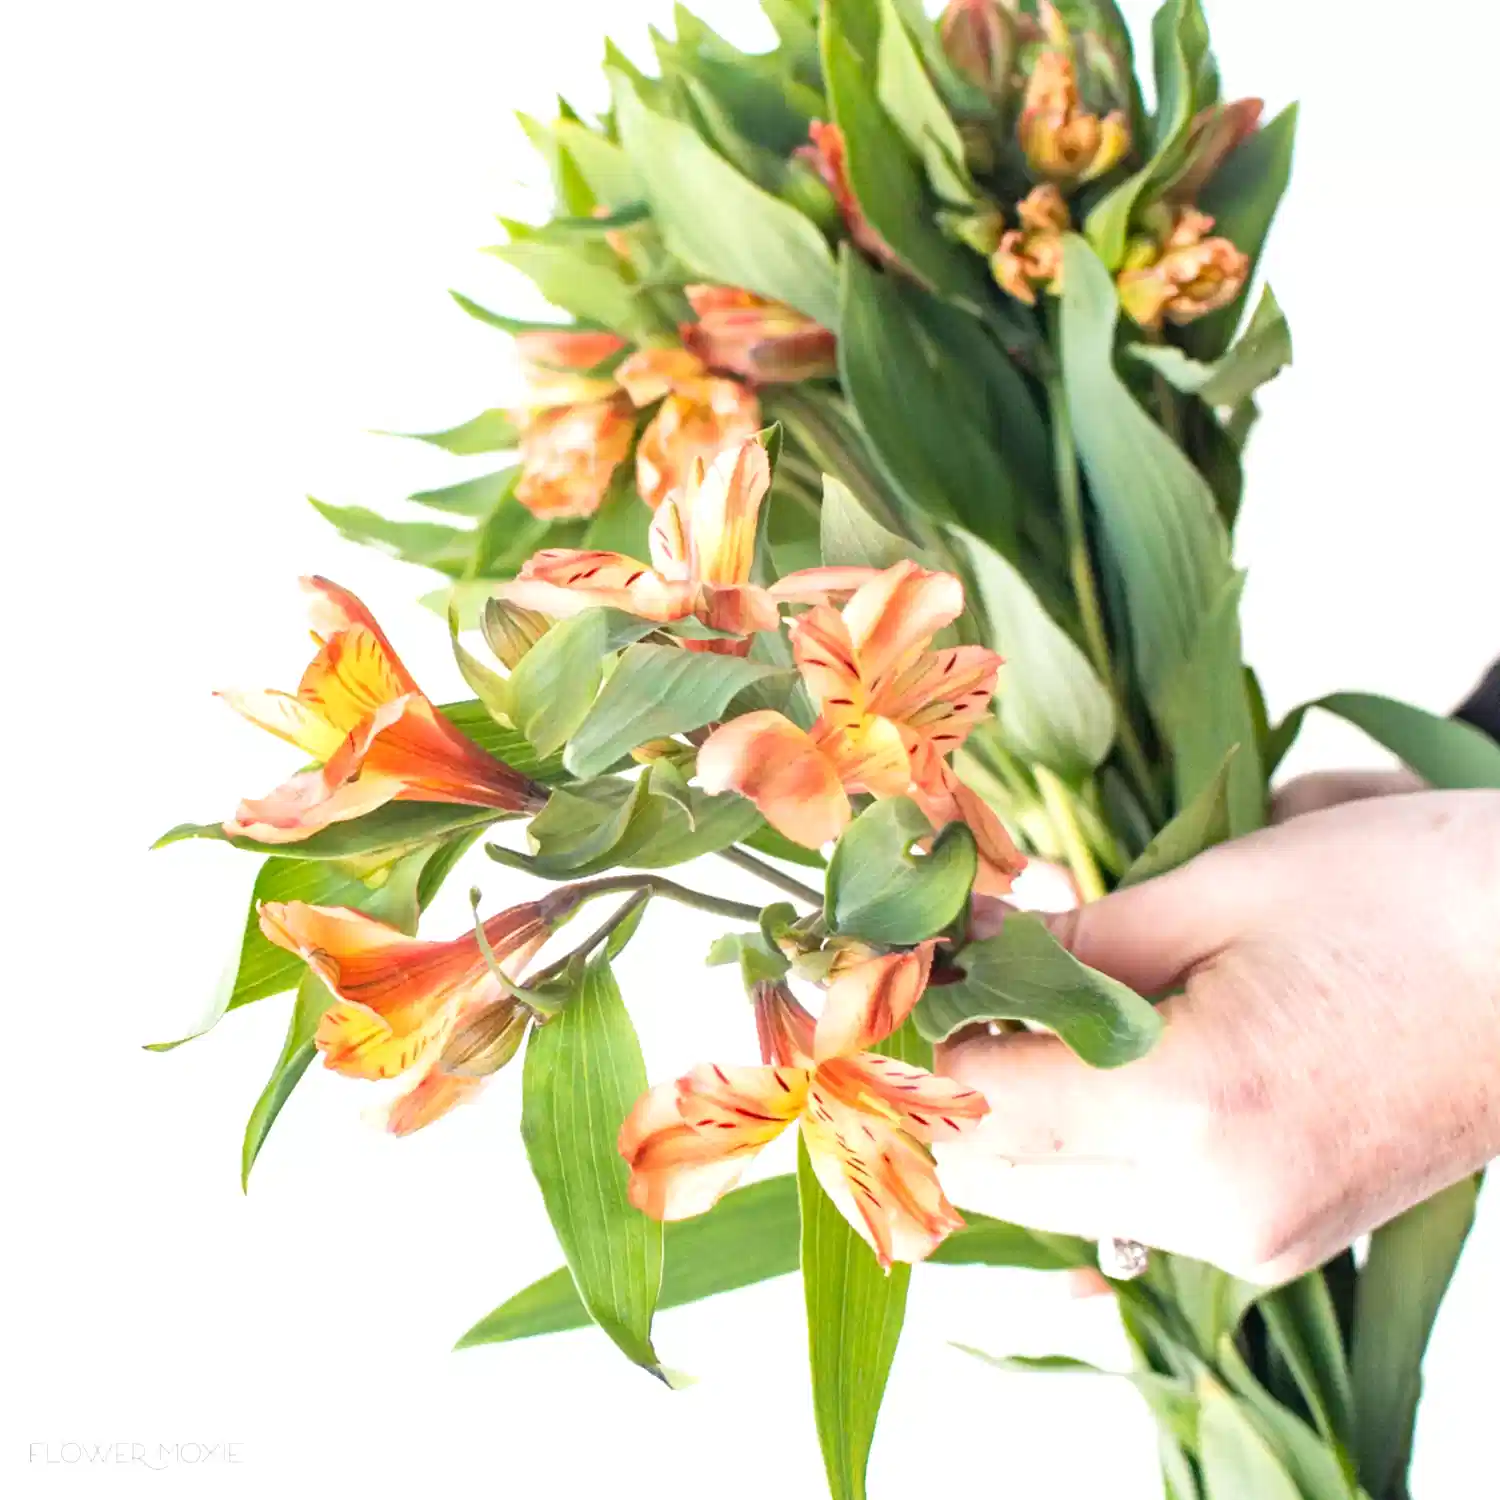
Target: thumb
{"type": "Point", "coordinates": [1151, 935]}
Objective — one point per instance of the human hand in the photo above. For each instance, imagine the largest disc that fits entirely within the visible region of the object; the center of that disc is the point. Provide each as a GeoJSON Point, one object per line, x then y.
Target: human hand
{"type": "Point", "coordinates": [1334, 1056]}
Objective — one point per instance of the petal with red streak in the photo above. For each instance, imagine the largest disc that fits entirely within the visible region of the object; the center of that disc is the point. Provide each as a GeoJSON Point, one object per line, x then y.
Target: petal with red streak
{"type": "Point", "coordinates": [891, 618]}
{"type": "Point", "coordinates": [866, 1003]}
{"type": "Point", "coordinates": [822, 585]}
{"type": "Point", "coordinates": [928, 1107]}
{"type": "Point", "coordinates": [722, 509]}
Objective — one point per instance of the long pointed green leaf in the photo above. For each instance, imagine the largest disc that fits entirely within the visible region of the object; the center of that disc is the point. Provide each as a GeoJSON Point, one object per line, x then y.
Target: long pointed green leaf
{"type": "Point", "coordinates": [297, 1052]}
{"type": "Point", "coordinates": [583, 1072]}
{"type": "Point", "coordinates": [1301, 1319]}
{"type": "Point", "coordinates": [854, 1316]}
{"type": "Point", "coordinates": [1411, 1262]}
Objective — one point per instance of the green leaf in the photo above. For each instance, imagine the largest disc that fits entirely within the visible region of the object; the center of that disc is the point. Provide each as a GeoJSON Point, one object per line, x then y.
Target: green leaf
{"type": "Point", "coordinates": [765, 840]}
{"type": "Point", "coordinates": [1302, 1322]}
{"type": "Point", "coordinates": [1164, 536]}
{"type": "Point", "coordinates": [655, 692]}
{"type": "Point", "coordinates": [426, 543]}
{"type": "Point", "coordinates": [1180, 38]}
{"type": "Point", "coordinates": [490, 432]}
{"type": "Point", "coordinates": [1243, 196]}
{"type": "Point", "coordinates": [604, 166]}
{"type": "Point", "coordinates": [1319, 1470]}
{"type": "Point", "coordinates": [1238, 1463]}
{"type": "Point", "coordinates": [554, 684]}
{"type": "Point", "coordinates": [747, 238]}
{"type": "Point", "coordinates": [850, 537]}
{"type": "Point", "coordinates": [748, 1237]}
{"type": "Point", "coordinates": [583, 1072]}
{"type": "Point", "coordinates": [854, 1316]}
{"type": "Point", "coordinates": [884, 175]}
{"type": "Point", "coordinates": [881, 889]}
{"type": "Point", "coordinates": [1261, 353]}
{"type": "Point", "coordinates": [585, 277]}
{"type": "Point", "coordinates": [1024, 974]}
{"type": "Point", "coordinates": [489, 687]}
{"type": "Point", "coordinates": [1411, 1262]}
{"type": "Point", "coordinates": [1446, 753]}
{"type": "Point", "coordinates": [297, 1051]}
{"type": "Point", "coordinates": [507, 324]}
{"type": "Point", "coordinates": [612, 823]}
{"type": "Point", "coordinates": [928, 401]}
{"type": "Point", "coordinates": [1201, 824]}
{"type": "Point", "coordinates": [396, 826]}
{"type": "Point", "coordinates": [917, 110]}
{"type": "Point", "coordinates": [1050, 703]}
{"type": "Point", "coordinates": [502, 741]}
{"type": "Point", "coordinates": [473, 497]}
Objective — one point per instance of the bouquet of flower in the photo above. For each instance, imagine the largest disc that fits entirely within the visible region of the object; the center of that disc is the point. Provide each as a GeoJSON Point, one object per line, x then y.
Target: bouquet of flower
{"type": "Point", "coordinates": [898, 348]}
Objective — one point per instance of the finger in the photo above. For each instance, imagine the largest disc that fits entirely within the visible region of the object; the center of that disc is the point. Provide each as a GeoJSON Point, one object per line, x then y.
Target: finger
{"type": "Point", "coordinates": [1322, 789]}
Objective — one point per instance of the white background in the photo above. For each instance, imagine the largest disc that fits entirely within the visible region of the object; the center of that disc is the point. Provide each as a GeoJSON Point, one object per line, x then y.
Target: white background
{"type": "Point", "coordinates": [229, 230]}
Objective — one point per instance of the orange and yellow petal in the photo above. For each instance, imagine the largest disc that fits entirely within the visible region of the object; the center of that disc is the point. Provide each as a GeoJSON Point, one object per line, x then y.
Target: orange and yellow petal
{"type": "Point", "coordinates": [826, 660]}
{"type": "Point", "coordinates": [879, 1178]}
{"type": "Point", "coordinates": [767, 758]}
{"type": "Point", "coordinates": [433, 1095]}
{"type": "Point", "coordinates": [669, 541]}
{"type": "Point", "coordinates": [830, 585]}
{"type": "Point", "coordinates": [784, 1029]}
{"type": "Point", "coordinates": [288, 718]}
{"type": "Point", "coordinates": [891, 618]}
{"type": "Point", "coordinates": [360, 1042]}
{"type": "Point", "coordinates": [556, 365]}
{"type": "Point", "coordinates": [569, 455]}
{"type": "Point", "coordinates": [692, 428]}
{"type": "Point", "coordinates": [678, 1170]}
{"type": "Point", "coordinates": [865, 1003]}
{"type": "Point", "coordinates": [651, 374]}
{"type": "Point", "coordinates": [942, 694]}
{"type": "Point", "coordinates": [926, 1106]}
{"type": "Point", "coordinates": [352, 677]}
{"type": "Point", "coordinates": [869, 755]}
{"type": "Point", "coordinates": [937, 790]}
{"type": "Point", "coordinates": [741, 609]}
{"type": "Point", "coordinates": [559, 582]}
{"type": "Point", "coordinates": [722, 508]}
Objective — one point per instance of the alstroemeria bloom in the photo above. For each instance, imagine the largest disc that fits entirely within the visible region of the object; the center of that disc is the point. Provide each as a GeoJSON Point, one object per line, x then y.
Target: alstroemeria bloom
{"type": "Point", "coordinates": [1062, 141]}
{"type": "Point", "coordinates": [1186, 278]}
{"type": "Point", "coordinates": [760, 340]}
{"type": "Point", "coordinates": [867, 1119]}
{"type": "Point", "coordinates": [376, 737]}
{"type": "Point", "coordinates": [700, 415]}
{"type": "Point", "coordinates": [576, 426]}
{"type": "Point", "coordinates": [399, 999]}
{"type": "Point", "coordinates": [1032, 256]}
{"type": "Point", "coordinates": [890, 712]}
{"type": "Point", "coordinates": [702, 546]}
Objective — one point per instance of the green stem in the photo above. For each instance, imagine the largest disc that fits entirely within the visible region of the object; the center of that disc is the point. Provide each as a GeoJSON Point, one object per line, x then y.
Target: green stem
{"type": "Point", "coordinates": [1080, 857]}
{"type": "Point", "coordinates": [1086, 591]}
{"type": "Point", "coordinates": [772, 876]}
{"type": "Point", "coordinates": [573, 896]}
{"type": "Point", "coordinates": [600, 934]}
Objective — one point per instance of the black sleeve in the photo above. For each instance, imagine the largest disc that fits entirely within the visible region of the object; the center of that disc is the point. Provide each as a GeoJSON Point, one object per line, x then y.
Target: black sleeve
{"type": "Point", "coordinates": [1483, 707]}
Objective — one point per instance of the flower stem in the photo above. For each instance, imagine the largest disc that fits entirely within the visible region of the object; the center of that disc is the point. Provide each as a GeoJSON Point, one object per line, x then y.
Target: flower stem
{"type": "Point", "coordinates": [573, 896]}
{"type": "Point", "coordinates": [1080, 857]}
{"type": "Point", "coordinates": [771, 875]}
{"type": "Point", "coordinates": [1085, 590]}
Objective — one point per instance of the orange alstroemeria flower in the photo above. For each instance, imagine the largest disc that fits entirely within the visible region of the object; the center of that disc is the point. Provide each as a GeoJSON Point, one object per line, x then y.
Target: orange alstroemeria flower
{"type": "Point", "coordinates": [700, 415]}
{"type": "Point", "coordinates": [702, 547]}
{"type": "Point", "coordinates": [376, 737]}
{"type": "Point", "coordinates": [576, 426]}
{"type": "Point", "coordinates": [398, 999]}
{"type": "Point", "coordinates": [1032, 256]}
{"type": "Point", "coordinates": [762, 341]}
{"type": "Point", "coordinates": [890, 712]}
{"type": "Point", "coordinates": [867, 1120]}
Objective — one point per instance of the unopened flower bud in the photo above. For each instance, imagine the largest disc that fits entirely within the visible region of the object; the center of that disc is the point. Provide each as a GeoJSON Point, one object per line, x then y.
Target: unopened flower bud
{"type": "Point", "coordinates": [979, 38]}
{"type": "Point", "coordinates": [1189, 275]}
{"type": "Point", "coordinates": [486, 1040]}
{"type": "Point", "coordinates": [762, 341]}
{"type": "Point", "coordinates": [980, 231]}
{"type": "Point", "coordinates": [1215, 133]}
{"type": "Point", "coordinates": [673, 751]}
{"type": "Point", "coordinates": [1032, 256]}
{"type": "Point", "coordinates": [1062, 140]}
{"type": "Point", "coordinates": [510, 631]}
